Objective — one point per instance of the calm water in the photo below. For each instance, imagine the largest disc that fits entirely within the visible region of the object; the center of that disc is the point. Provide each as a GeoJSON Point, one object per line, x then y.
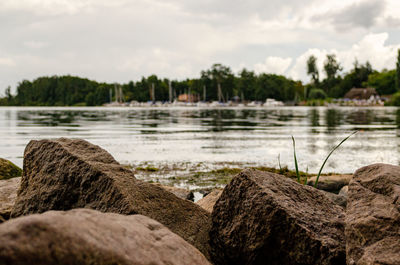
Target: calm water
{"type": "Point", "coordinates": [214, 136]}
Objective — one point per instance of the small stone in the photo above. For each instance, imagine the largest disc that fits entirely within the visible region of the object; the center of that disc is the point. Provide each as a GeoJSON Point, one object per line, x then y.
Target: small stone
{"type": "Point", "coordinates": [343, 191]}
{"type": "Point", "coordinates": [8, 195]}
{"type": "Point", "coordinates": [336, 198]}
{"type": "Point", "coordinates": [185, 194]}
{"type": "Point", "coordinates": [208, 202]}
{"type": "Point", "coordinates": [331, 183]}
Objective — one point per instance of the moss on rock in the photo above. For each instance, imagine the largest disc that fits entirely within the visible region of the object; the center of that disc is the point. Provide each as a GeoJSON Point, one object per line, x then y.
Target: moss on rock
{"type": "Point", "coordinates": [9, 170]}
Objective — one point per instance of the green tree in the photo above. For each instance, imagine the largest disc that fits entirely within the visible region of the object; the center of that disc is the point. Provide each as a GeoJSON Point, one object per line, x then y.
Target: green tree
{"type": "Point", "coordinates": [384, 82]}
{"type": "Point", "coordinates": [317, 93]}
{"type": "Point", "coordinates": [398, 70]}
{"type": "Point", "coordinates": [246, 84]}
{"type": "Point", "coordinates": [218, 76]}
{"type": "Point", "coordinates": [312, 69]}
{"type": "Point", "coordinates": [8, 94]}
{"type": "Point", "coordinates": [331, 66]}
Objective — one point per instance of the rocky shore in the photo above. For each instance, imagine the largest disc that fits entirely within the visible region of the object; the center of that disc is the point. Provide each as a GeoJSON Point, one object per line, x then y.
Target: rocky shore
{"type": "Point", "coordinates": [75, 204]}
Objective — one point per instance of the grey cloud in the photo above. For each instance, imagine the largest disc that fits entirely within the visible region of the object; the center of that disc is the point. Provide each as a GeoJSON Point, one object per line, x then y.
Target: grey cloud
{"type": "Point", "coordinates": [392, 22]}
{"type": "Point", "coordinates": [363, 14]}
{"type": "Point", "coordinates": [239, 9]}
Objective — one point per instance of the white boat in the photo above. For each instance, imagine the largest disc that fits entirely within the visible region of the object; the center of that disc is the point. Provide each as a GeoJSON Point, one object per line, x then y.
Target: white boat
{"type": "Point", "coordinates": [271, 102]}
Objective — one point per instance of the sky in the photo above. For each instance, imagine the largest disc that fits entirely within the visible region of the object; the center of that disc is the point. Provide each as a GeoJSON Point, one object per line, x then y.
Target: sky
{"type": "Point", "coordinates": [123, 40]}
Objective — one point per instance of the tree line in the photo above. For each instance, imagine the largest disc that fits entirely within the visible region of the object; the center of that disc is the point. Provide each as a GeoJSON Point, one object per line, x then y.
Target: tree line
{"type": "Point", "coordinates": [216, 83]}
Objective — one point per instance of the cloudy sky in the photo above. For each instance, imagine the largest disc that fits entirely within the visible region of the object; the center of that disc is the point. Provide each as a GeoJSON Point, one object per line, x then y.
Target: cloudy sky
{"type": "Point", "coordinates": [122, 40]}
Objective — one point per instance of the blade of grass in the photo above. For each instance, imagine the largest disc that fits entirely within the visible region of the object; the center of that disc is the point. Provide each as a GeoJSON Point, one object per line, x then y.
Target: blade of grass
{"type": "Point", "coordinates": [279, 162]}
{"type": "Point", "coordinates": [326, 159]}
{"type": "Point", "coordinates": [295, 160]}
{"type": "Point", "coordinates": [305, 182]}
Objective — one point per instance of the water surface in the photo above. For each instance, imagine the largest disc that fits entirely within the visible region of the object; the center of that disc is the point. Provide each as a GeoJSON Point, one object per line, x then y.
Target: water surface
{"type": "Point", "coordinates": [214, 137]}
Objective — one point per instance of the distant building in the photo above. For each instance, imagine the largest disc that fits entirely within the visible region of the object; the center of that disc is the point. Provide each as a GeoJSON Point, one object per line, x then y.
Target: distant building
{"type": "Point", "coordinates": [361, 93]}
{"type": "Point", "coordinates": [188, 98]}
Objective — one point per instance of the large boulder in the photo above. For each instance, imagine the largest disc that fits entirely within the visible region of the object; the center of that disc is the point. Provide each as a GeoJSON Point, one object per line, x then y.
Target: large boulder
{"type": "Point", "coordinates": [84, 236]}
{"type": "Point", "coordinates": [9, 170]}
{"type": "Point", "coordinates": [373, 216]}
{"type": "Point", "coordinates": [65, 174]}
{"type": "Point", "coordinates": [265, 218]}
{"type": "Point", "coordinates": [8, 195]}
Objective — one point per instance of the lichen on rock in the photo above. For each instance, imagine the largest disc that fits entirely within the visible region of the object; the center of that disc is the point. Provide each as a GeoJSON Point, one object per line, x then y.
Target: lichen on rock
{"type": "Point", "coordinates": [9, 170]}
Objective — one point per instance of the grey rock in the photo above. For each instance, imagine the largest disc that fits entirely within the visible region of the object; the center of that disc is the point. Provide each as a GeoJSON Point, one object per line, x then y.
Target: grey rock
{"type": "Point", "coordinates": [336, 198]}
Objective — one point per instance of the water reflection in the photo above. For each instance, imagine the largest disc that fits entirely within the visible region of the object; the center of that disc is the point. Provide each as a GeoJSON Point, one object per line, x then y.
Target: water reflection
{"type": "Point", "coordinates": [361, 116]}
{"type": "Point", "coordinates": [333, 118]}
{"type": "Point", "coordinates": [314, 117]}
{"type": "Point", "coordinates": [214, 135]}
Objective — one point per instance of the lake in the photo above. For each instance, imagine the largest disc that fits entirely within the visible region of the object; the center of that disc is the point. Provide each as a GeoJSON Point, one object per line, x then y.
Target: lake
{"type": "Point", "coordinates": [214, 138]}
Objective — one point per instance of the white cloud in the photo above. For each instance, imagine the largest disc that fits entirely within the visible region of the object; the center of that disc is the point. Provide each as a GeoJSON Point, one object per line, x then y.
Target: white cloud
{"type": "Point", "coordinates": [274, 65]}
{"type": "Point", "coordinates": [7, 62]}
{"type": "Point", "coordinates": [122, 40]}
{"type": "Point", "coordinates": [371, 48]}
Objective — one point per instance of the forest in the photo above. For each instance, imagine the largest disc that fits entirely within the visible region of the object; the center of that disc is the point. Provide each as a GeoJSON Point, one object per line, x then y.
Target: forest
{"type": "Point", "coordinates": [245, 85]}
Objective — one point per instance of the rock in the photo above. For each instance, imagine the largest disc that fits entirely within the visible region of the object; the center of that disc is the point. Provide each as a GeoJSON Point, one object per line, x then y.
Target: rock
{"type": "Point", "coordinates": [332, 183]}
{"type": "Point", "coordinates": [343, 191]}
{"type": "Point", "coordinates": [9, 170]}
{"type": "Point", "coordinates": [373, 216]}
{"type": "Point", "coordinates": [65, 174]}
{"type": "Point", "coordinates": [84, 236]}
{"type": "Point", "coordinates": [207, 203]}
{"type": "Point", "coordinates": [265, 218]}
{"type": "Point", "coordinates": [179, 192]}
{"type": "Point", "coordinates": [8, 195]}
{"type": "Point", "coordinates": [336, 198]}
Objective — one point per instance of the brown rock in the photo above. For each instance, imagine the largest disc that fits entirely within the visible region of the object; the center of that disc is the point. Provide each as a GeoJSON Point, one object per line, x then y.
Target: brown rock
{"type": "Point", "coordinates": [332, 183]}
{"type": "Point", "coordinates": [373, 216]}
{"type": "Point", "coordinates": [65, 174]}
{"type": "Point", "coordinates": [179, 192]}
{"type": "Point", "coordinates": [84, 236]}
{"type": "Point", "coordinates": [8, 195]}
{"type": "Point", "coordinates": [208, 202]}
{"type": "Point", "coordinates": [265, 218]}
{"type": "Point", "coordinates": [9, 170]}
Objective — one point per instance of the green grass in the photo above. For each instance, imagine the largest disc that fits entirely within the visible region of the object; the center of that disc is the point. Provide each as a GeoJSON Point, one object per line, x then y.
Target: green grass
{"type": "Point", "coordinates": [147, 169]}
{"type": "Point", "coordinates": [326, 159]}
{"type": "Point", "coordinates": [295, 160]}
{"type": "Point", "coordinates": [323, 164]}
